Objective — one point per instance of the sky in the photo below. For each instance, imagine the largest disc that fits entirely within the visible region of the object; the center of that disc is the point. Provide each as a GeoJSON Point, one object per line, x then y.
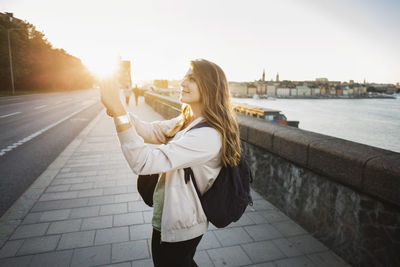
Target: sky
{"type": "Point", "coordinates": [300, 39]}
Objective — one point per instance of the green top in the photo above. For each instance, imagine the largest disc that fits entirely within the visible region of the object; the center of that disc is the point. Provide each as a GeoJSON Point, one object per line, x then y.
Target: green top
{"type": "Point", "coordinates": [158, 202]}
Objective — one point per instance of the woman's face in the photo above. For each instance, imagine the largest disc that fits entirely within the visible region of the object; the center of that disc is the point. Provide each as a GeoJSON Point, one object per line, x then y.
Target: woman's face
{"type": "Point", "coordinates": [190, 93]}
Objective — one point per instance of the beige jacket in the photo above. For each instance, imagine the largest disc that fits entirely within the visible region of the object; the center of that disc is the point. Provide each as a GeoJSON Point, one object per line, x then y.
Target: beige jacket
{"type": "Point", "coordinates": [183, 217]}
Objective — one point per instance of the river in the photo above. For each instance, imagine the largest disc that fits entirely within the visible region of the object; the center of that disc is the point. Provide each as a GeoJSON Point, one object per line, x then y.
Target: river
{"type": "Point", "coordinates": [374, 122]}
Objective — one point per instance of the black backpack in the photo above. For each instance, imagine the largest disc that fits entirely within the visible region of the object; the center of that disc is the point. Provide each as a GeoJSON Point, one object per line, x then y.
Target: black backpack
{"type": "Point", "coordinates": [227, 199]}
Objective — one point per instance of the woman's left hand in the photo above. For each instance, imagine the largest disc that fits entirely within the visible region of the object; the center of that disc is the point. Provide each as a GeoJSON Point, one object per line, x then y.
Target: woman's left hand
{"type": "Point", "coordinates": [109, 89]}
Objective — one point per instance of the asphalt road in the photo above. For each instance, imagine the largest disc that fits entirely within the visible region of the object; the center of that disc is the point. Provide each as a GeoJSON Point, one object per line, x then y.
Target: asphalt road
{"type": "Point", "coordinates": [34, 130]}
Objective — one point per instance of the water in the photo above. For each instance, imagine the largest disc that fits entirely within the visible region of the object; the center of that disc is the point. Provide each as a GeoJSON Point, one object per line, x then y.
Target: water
{"type": "Point", "coordinates": [374, 122]}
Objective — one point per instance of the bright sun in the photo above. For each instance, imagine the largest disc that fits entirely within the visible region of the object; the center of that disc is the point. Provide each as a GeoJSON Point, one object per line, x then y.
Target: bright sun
{"type": "Point", "coordinates": [102, 66]}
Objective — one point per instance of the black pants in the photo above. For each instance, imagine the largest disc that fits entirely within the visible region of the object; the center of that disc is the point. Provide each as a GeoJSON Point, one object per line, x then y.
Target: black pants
{"type": "Point", "coordinates": [178, 254]}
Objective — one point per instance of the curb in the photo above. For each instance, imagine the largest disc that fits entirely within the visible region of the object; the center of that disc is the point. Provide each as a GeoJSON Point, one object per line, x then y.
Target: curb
{"type": "Point", "coordinates": [13, 217]}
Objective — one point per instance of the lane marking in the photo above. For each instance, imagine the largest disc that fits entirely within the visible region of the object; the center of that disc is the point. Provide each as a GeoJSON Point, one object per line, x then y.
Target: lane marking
{"type": "Point", "coordinates": [11, 114]}
{"type": "Point", "coordinates": [30, 137]}
{"type": "Point", "coordinates": [39, 107]}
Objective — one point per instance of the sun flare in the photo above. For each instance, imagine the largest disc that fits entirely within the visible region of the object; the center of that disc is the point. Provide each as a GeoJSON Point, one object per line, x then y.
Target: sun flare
{"type": "Point", "coordinates": [102, 67]}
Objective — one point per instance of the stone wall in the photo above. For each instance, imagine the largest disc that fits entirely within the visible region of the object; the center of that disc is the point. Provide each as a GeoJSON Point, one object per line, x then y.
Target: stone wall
{"type": "Point", "coordinates": [345, 194]}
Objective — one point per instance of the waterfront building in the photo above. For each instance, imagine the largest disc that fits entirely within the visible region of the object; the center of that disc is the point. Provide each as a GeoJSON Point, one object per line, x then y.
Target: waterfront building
{"type": "Point", "coordinates": [316, 91]}
{"type": "Point", "coordinates": [303, 90]}
{"type": "Point", "coordinates": [283, 91]}
{"type": "Point", "coordinates": [251, 89]}
{"type": "Point", "coordinates": [238, 89]}
{"type": "Point", "coordinates": [271, 90]}
{"type": "Point", "coordinates": [293, 91]}
{"type": "Point", "coordinates": [261, 87]}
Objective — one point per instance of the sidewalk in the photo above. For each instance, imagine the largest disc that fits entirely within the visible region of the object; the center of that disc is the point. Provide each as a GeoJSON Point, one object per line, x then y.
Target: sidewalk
{"type": "Point", "coordinates": [84, 210]}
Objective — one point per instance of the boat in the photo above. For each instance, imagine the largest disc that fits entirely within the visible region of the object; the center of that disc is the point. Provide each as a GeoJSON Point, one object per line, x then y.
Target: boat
{"type": "Point", "coordinates": [261, 113]}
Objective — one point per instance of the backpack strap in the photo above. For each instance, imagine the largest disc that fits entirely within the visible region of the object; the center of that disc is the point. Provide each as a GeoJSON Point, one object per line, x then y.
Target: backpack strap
{"type": "Point", "coordinates": [189, 175]}
{"type": "Point", "coordinates": [199, 125]}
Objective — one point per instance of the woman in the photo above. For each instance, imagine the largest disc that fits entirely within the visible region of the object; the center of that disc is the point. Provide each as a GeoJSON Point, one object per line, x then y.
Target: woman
{"type": "Point", "coordinates": [178, 220]}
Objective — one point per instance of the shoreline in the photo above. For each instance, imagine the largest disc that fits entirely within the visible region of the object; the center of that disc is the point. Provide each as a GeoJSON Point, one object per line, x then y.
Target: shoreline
{"type": "Point", "coordinates": [394, 96]}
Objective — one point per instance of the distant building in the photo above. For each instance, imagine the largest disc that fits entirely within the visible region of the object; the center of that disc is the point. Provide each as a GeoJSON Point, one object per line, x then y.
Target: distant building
{"type": "Point", "coordinates": [316, 91]}
{"type": "Point", "coordinates": [322, 80]}
{"type": "Point", "coordinates": [251, 89]}
{"type": "Point", "coordinates": [283, 91]}
{"type": "Point", "coordinates": [263, 76]}
{"type": "Point", "coordinates": [277, 77]}
{"type": "Point", "coordinates": [261, 87]}
{"type": "Point", "coordinates": [271, 90]}
{"type": "Point", "coordinates": [303, 90]}
{"type": "Point", "coordinates": [238, 89]}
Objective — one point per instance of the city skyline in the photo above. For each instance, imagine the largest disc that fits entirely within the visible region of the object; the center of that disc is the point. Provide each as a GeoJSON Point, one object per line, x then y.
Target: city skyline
{"type": "Point", "coordinates": [302, 40]}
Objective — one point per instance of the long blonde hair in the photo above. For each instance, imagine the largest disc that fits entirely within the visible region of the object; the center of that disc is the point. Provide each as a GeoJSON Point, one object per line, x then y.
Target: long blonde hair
{"type": "Point", "coordinates": [217, 109]}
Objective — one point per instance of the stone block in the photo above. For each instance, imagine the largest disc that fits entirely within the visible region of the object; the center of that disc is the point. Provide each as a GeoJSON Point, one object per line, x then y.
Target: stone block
{"type": "Point", "coordinates": [382, 178]}
{"type": "Point", "coordinates": [140, 231]}
{"type": "Point", "coordinates": [261, 134]}
{"type": "Point", "coordinates": [135, 206]}
{"type": "Point", "coordinates": [292, 144]}
{"type": "Point", "coordinates": [128, 219]}
{"type": "Point", "coordinates": [32, 218]}
{"type": "Point", "coordinates": [208, 241]}
{"type": "Point", "coordinates": [58, 188]}
{"type": "Point", "coordinates": [101, 200]}
{"type": "Point", "coordinates": [307, 244]}
{"type": "Point", "coordinates": [143, 263]}
{"type": "Point", "coordinates": [343, 161]}
{"type": "Point", "coordinates": [81, 186]}
{"type": "Point", "coordinates": [76, 240]}
{"type": "Point", "coordinates": [73, 203]}
{"type": "Point", "coordinates": [64, 226]}
{"type": "Point", "coordinates": [229, 256]}
{"type": "Point", "coordinates": [52, 259]}
{"type": "Point", "coordinates": [84, 212]}
{"type": "Point", "coordinates": [114, 209]}
{"type": "Point", "coordinates": [262, 232]}
{"type": "Point", "coordinates": [289, 228]}
{"type": "Point", "coordinates": [10, 248]}
{"type": "Point", "coordinates": [263, 251]}
{"type": "Point", "coordinates": [16, 261]}
{"type": "Point", "coordinates": [287, 247]}
{"type": "Point", "coordinates": [112, 235]}
{"type": "Point", "coordinates": [126, 197]}
{"type": "Point", "coordinates": [202, 259]}
{"type": "Point", "coordinates": [58, 195]}
{"type": "Point", "coordinates": [97, 223]}
{"type": "Point", "coordinates": [90, 192]}
{"type": "Point", "coordinates": [232, 236]}
{"type": "Point", "coordinates": [132, 250]}
{"type": "Point", "coordinates": [295, 262]}
{"type": "Point", "coordinates": [39, 244]}
{"type": "Point", "coordinates": [30, 230]}
{"type": "Point", "coordinates": [55, 215]}
{"type": "Point", "coordinates": [91, 256]}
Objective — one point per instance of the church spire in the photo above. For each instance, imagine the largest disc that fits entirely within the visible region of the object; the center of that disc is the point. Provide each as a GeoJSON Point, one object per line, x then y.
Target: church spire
{"type": "Point", "coordinates": [263, 76]}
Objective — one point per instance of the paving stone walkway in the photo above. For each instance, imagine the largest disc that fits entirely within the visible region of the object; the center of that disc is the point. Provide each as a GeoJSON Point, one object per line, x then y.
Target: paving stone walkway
{"type": "Point", "coordinates": [84, 210]}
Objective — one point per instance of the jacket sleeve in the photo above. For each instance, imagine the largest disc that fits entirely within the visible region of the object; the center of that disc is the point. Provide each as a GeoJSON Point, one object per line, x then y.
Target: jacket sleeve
{"type": "Point", "coordinates": [193, 148]}
{"type": "Point", "coordinates": [153, 132]}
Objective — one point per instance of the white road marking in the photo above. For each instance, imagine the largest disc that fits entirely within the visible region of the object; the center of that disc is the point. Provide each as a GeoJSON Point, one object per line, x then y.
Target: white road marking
{"type": "Point", "coordinates": [42, 106]}
{"type": "Point", "coordinates": [11, 114]}
{"type": "Point", "coordinates": [28, 138]}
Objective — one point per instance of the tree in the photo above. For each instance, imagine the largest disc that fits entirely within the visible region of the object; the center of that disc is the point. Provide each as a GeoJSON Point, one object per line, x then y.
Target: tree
{"type": "Point", "coordinates": [36, 64]}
